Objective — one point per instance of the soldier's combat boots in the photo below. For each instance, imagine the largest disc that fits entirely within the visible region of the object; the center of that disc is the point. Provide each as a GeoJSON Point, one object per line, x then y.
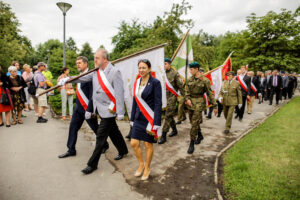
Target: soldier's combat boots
{"type": "Point", "coordinates": [191, 147]}
{"type": "Point", "coordinates": [163, 138]}
{"type": "Point", "coordinates": [199, 138]}
{"type": "Point", "coordinates": [174, 131]}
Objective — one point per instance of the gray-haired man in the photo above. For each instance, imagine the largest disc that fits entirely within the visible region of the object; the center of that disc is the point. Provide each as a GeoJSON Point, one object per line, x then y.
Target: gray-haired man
{"type": "Point", "coordinates": [108, 101]}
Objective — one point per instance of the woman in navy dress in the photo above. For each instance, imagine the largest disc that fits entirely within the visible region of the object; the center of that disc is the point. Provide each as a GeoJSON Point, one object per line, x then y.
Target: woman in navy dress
{"type": "Point", "coordinates": [150, 91]}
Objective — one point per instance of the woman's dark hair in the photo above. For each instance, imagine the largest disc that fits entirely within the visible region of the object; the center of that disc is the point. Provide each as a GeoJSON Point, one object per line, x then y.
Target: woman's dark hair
{"type": "Point", "coordinates": [146, 61]}
{"type": "Point", "coordinates": [64, 69]}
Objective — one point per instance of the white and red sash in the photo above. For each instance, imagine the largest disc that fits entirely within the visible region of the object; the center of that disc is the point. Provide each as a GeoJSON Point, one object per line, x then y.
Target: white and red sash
{"type": "Point", "coordinates": [242, 83]}
{"type": "Point", "coordinates": [146, 111]}
{"type": "Point", "coordinates": [253, 88]}
{"type": "Point", "coordinates": [84, 101]}
{"type": "Point", "coordinates": [171, 88]}
{"type": "Point", "coordinates": [108, 89]}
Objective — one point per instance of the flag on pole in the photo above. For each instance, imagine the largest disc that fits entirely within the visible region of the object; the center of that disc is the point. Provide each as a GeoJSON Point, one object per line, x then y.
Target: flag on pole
{"type": "Point", "coordinates": [129, 70]}
{"type": "Point", "coordinates": [215, 78]}
{"type": "Point", "coordinates": [226, 68]}
{"type": "Point", "coordinates": [184, 57]}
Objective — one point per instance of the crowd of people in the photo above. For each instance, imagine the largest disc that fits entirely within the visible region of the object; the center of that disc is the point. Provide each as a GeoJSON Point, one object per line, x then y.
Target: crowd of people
{"type": "Point", "coordinates": [19, 89]}
{"type": "Point", "coordinates": [101, 94]}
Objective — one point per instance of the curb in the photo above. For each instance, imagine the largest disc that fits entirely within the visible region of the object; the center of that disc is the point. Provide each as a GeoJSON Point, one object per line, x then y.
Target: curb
{"type": "Point", "coordinates": [220, 197]}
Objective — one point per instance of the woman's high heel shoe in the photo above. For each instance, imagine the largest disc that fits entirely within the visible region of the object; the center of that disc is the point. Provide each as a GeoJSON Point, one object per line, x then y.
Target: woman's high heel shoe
{"type": "Point", "coordinates": [137, 174]}
{"type": "Point", "coordinates": [144, 178]}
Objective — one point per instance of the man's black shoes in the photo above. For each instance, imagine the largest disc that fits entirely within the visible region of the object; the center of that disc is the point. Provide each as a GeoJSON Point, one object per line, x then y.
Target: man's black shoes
{"type": "Point", "coordinates": [88, 170]}
{"type": "Point", "coordinates": [67, 154]}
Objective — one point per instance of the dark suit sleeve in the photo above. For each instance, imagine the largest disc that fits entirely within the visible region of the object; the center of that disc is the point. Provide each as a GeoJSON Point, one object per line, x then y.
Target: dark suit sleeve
{"type": "Point", "coordinates": [281, 82]}
{"type": "Point", "coordinates": [257, 84]}
{"type": "Point", "coordinates": [90, 107]}
{"type": "Point", "coordinates": [157, 103]}
{"type": "Point", "coordinates": [133, 109]}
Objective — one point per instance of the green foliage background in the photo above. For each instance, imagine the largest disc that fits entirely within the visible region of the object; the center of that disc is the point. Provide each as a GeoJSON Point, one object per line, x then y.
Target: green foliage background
{"type": "Point", "coordinates": [269, 42]}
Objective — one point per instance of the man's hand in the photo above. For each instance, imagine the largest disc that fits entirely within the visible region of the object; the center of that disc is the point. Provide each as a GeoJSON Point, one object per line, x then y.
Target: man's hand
{"type": "Point", "coordinates": [88, 115]}
{"type": "Point", "coordinates": [155, 127]}
{"type": "Point", "coordinates": [240, 105]}
{"type": "Point", "coordinates": [189, 103]}
{"type": "Point", "coordinates": [120, 117]}
{"type": "Point", "coordinates": [131, 123]}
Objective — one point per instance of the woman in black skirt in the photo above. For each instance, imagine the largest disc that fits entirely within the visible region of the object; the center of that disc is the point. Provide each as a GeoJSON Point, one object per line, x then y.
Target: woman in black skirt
{"type": "Point", "coordinates": [148, 91]}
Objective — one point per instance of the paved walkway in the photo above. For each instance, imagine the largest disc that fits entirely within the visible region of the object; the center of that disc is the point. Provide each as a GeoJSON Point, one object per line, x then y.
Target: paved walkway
{"type": "Point", "coordinates": [30, 168]}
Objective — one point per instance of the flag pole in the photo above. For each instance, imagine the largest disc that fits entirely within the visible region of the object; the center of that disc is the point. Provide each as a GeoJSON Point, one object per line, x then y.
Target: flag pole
{"type": "Point", "coordinates": [96, 68]}
{"type": "Point", "coordinates": [220, 65]}
{"type": "Point", "coordinates": [180, 44]}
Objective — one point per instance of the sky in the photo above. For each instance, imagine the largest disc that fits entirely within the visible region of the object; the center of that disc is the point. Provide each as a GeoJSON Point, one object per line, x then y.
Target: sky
{"type": "Point", "coordinates": [97, 21]}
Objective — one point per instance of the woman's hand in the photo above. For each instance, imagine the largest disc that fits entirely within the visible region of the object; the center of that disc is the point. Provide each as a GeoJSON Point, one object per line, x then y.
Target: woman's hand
{"type": "Point", "coordinates": [16, 89]}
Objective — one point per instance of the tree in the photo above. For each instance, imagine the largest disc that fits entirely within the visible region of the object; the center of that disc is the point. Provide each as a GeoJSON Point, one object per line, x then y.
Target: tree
{"type": "Point", "coordinates": [136, 36]}
{"type": "Point", "coordinates": [87, 52]}
{"type": "Point", "coordinates": [13, 46]}
{"type": "Point", "coordinates": [71, 45]}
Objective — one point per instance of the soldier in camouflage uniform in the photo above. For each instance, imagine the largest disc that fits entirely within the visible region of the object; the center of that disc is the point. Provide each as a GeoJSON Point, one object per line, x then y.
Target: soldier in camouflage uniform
{"type": "Point", "coordinates": [230, 96]}
{"type": "Point", "coordinates": [174, 79]}
{"type": "Point", "coordinates": [195, 87]}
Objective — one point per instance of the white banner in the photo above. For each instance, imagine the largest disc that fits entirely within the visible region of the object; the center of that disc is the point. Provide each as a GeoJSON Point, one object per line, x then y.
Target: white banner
{"type": "Point", "coordinates": [129, 70]}
{"type": "Point", "coordinates": [216, 77]}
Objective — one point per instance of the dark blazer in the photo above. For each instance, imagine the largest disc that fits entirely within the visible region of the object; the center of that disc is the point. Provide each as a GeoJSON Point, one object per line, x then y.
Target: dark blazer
{"type": "Point", "coordinates": [87, 89]}
{"type": "Point", "coordinates": [279, 82]}
{"type": "Point", "coordinates": [152, 95]}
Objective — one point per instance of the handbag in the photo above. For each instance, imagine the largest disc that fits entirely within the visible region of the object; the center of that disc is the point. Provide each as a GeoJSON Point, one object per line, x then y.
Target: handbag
{"type": "Point", "coordinates": [5, 98]}
{"type": "Point", "coordinates": [70, 91]}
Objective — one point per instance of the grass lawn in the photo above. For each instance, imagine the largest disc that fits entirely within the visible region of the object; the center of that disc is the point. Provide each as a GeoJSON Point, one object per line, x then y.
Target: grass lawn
{"type": "Point", "coordinates": [266, 163]}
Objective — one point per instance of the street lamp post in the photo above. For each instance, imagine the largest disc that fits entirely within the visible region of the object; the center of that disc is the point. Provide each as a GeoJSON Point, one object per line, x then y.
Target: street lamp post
{"type": "Point", "coordinates": [64, 7]}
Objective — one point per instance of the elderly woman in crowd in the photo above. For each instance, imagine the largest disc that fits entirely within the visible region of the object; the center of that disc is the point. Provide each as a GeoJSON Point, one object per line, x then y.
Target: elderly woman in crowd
{"type": "Point", "coordinates": [27, 76]}
{"type": "Point", "coordinates": [66, 93]}
{"type": "Point", "coordinates": [17, 84]}
{"type": "Point", "coordinates": [6, 108]}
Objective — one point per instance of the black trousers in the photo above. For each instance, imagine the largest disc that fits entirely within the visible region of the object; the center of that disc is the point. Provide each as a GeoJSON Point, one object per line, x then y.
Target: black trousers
{"type": "Point", "coordinates": [240, 111]}
{"type": "Point", "coordinates": [267, 94]}
{"type": "Point", "coordinates": [284, 92]}
{"type": "Point", "coordinates": [275, 91]}
{"type": "Point", "coordinates": [107, 127]}
{"type": "Point", "coordinates": [76, 123]}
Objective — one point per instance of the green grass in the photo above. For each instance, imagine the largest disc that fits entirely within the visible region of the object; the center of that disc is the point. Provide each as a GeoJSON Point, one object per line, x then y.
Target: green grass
{"type": "Point", "coordinates": [266, 163]}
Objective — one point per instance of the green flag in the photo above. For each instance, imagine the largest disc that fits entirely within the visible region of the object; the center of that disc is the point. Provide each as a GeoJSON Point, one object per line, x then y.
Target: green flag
{"type": "Point", "coordinates": [184, 57]}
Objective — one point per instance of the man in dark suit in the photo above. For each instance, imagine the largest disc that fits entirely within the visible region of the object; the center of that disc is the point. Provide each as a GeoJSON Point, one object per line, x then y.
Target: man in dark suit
{"type": "Point", "coordinates": [275, 86]}
{"type": "Point", "coordinates": [285, 83]}
{"type": "Point", "coordinates": [245, 83]}
{"type": "Point", "coordinates": [267, 91]}
{"type": "Point", "coordinates": [254, 90]}
{"type": "Point", "coordinates": [84, 92]}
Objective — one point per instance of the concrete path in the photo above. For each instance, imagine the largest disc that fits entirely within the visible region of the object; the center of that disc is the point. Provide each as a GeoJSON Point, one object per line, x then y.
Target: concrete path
{"type": "Point", "coordinates": [30, 168]}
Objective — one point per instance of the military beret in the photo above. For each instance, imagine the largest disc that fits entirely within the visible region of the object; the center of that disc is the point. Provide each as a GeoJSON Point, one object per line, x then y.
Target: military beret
{"type": "Point", "coordinates": [194, 65]}
{"type": "Point", "coordinates": [229, 73]}
{"type": "Point", "coordinates": [168, 60]}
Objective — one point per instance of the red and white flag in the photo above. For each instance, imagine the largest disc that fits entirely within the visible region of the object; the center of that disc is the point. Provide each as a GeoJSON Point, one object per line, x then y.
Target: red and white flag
{"type": "Point", "coordinates": [215, 78]}
{"type": "Point", "coordinates": [226, 68]}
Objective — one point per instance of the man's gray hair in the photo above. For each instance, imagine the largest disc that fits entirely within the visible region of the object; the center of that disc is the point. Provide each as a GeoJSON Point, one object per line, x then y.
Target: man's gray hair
{"type": "Point", "coordinates": [104, 52]}
{"type": "Point", "coordinates": [12, 68]}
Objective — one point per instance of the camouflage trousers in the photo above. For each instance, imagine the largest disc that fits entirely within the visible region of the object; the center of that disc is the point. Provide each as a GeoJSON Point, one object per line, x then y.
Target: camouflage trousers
{"type": "Point", "coordinates": [195, 117]}
{"type": "Point", "coordinates": [170, 113]}
{"type": "Point", "coordinates": [228, 114]}
{"type": "Point", "coordinates": [181, 109]}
